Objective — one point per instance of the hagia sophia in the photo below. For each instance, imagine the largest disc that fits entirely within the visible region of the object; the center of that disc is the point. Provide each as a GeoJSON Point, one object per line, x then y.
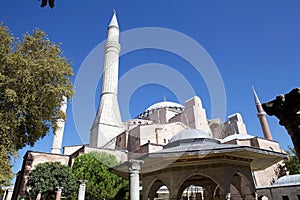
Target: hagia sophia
{"type": "Point", "coordinates": [173, 151]}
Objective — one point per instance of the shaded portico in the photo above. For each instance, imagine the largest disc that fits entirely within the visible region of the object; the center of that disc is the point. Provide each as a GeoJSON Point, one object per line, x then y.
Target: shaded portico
{"type": "Point", "coordinates": [216, 174]}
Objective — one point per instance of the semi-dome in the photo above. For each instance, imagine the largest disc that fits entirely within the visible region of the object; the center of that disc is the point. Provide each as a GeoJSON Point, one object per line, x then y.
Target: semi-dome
{"type": "Point", "coordinates": [288, 180]}
{"type": "Point", "coordinates": [164, 104]}
{"type": "Point", "coordinates": [237, 137]}
{"type": "Point", "coordinates": [190, 134]}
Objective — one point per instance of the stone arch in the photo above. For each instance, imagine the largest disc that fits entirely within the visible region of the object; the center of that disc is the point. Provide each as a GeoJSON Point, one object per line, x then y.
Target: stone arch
{"type": "Point", "coordinates": [198, 179]}
{"type": "Point", "coordinates": [217, 193]}
{"type": "Point", "coordinates": [154, 187]}
{"type": "Point", "coordinates": [235, 192]}
{"type": "Point", "coordinates": [243, 185]}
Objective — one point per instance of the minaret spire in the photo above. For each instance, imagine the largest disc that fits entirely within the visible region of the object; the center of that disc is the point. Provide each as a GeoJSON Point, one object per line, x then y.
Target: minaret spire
{"type": "Point", "coordinates": [256, 99]}
{"type": "Point", "coordinates": [58, 134]}
{"type": "Point", "coordinates": [262, 116]}
{"type": "Point", "coordinates": [114, 21]}
{"type": "Point", "coordinates": [108, 123]}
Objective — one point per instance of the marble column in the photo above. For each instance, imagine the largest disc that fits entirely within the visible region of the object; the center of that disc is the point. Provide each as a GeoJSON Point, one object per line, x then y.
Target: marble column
{"type": "Point", "coordinates": [59, 132]}
{"type": "Point", "coordinates": [134, 180]}
{"type": "Point", "coordinates": [81, 190]}
{"type": "Point", "coordinates": [8, 191]}
{"type": "Point", "coordinates": [58, 193]}
{"type": "Point", "coordinates": [39, 196]}
{"type": "Point", "coordinates": [228, 195]}
{"type": "Point", "coordinates": [255, 195]}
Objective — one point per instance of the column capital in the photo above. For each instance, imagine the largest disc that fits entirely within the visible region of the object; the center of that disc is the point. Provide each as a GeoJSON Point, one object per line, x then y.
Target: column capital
{"type": "Point", "coordinates": [82, 181]}
{"type": "Point", "coordinates": [255, 195]}
{"type": "Point", "coordinates": [58, 193]}
{"type": "Point", "coordinates": [228, 195]}
{"type": "Point", "coordinates": [135, 166]}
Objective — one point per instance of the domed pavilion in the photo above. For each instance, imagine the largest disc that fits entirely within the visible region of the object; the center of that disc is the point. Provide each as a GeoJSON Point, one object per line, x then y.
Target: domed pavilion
{"type": "Point", "coordinates": [193, 158]}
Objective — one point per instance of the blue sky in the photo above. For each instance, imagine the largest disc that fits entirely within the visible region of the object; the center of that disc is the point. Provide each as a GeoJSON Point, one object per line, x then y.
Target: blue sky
{"type": "Point", "coordinates": [251, 43]}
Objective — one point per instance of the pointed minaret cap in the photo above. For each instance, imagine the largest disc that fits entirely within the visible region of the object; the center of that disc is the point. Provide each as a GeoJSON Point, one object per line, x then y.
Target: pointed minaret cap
{"type": "Point", "coordinates": [257, 102]}
{"type": "Point", "coordinates": [114, 21]}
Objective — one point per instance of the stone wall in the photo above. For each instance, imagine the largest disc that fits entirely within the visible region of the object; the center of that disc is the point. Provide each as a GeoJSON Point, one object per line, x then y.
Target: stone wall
{"type": "Point", "coordinates": [30, 161]}
{"type": "Point", "coordinates": [154, 133]}
{"type": "Point", "coordinates": [278, 193]}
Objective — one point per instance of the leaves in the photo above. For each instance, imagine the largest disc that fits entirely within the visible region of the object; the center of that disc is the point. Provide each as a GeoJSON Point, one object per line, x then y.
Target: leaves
{"type": "Point", "coordinates": [292, 163]}
{"type": "Point", "coordinates": [5, 169]}
{"type": "Point", "coordinates": [45, 2]}
{"type": "Point", "coordinates": [34, 75]}
{"type": "Point", "coordinates": [102, 184]}
{"type": "Point", "coordinates": [46, 177]}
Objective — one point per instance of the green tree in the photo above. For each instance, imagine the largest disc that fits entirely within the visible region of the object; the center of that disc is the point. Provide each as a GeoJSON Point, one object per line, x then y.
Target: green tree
{"type": "Point", "coordinates": [102, 184]}
{"type": "Point", "coordinates": [34, 75]}
{"type": "Point", "coordinates": [46, 177]}
{"type": "Point", "coordinates": [6, 41]}
{"type": "Point", "coordinates": [5, 168]}
{"type": "Point", "coordinates": [292, 163]}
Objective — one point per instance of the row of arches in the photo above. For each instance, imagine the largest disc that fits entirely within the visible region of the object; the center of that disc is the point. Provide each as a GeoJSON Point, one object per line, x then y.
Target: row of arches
{"type": "Point", "coordinates": [200, 187]}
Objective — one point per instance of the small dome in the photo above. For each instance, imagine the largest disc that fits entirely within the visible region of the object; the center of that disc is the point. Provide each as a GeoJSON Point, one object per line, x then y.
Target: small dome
{"type": "Point", "coordinates": [164, 104]}
{"type": "Point", "coordinates": [288, 180]}
{"type": "Point", "coordinates": [189, 134]}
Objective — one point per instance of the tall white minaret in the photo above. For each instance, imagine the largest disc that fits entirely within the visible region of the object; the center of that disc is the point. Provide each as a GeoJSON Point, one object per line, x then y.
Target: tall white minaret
{"type": "Point", "coordinates": [261, 114]}
{"type": "Point", "coordinates": [59, 132]}
{"type": "Point", "coordinates": [108, 123]}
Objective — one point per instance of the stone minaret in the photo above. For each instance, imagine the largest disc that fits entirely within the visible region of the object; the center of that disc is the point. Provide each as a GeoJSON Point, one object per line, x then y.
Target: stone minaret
{"type": "Point", "coordinates": [108, 123]}
{"type": "Point", "coordinates": [59, 132]}
{"type": "Point", "coordinates": [262, 117]}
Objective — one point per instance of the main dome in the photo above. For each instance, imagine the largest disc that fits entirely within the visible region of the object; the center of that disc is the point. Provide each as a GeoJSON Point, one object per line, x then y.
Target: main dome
{"type": "Point", "coordinates": [159, 105]}
{"type": "Point", "coordinates": [164, 104]}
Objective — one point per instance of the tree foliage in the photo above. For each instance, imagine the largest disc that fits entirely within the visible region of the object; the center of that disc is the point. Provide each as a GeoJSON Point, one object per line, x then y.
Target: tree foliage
{"type": "Point", "coordinates": [46, 2]}
{"type": "Point", "coordinates": [102, 184]}
{"type": "Point", "coordinates": [46, 177]}
{"type": "Point", "coordinates": [34, 75]}
{"type": "Point", "coordinates": [6, 41]}
{"type": "Point", "coordinates": [5, 168]}
{"type": "Point", "coordinates": [292, 163]}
